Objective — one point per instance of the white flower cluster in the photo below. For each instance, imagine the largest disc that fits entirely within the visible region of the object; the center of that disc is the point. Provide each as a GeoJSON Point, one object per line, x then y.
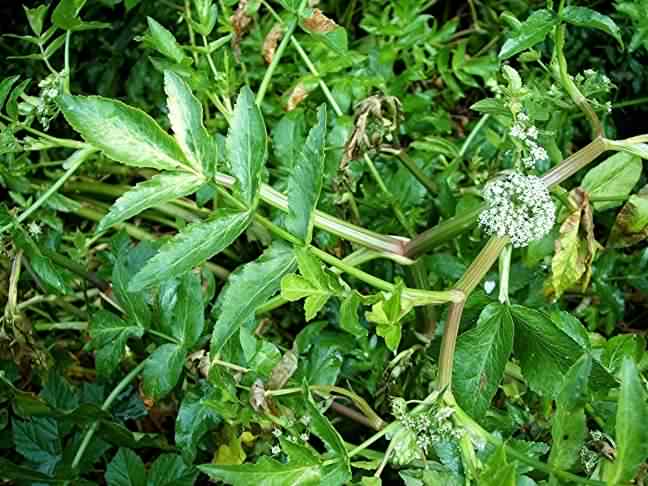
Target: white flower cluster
{"type": "Point", "coordinates": [519, 206]}
{"type": "Point", "coordinates": [526, 133]}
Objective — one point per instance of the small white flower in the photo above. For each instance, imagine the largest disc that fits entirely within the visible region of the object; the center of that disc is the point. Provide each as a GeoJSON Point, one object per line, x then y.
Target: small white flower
{"type": "Point", "coordinates": [532, 132]}
{"type": "Point", "coordinates": [276, 432]}
{"type": "Point", "coordinates": [539, 153]}
{"type": "Point", "coordinates": [304, 437]}
{"type": "Point", "coordinates": [276, 450]}
{"type": "Point", "coordinates": [489, 286]}
{"type": "Point", "coordinates": [305, 420]}
{"type": "Point", "coordinates": [523, 117]}
{"type": "Point", "coordinates": [34, 228]}
{"type": "Point", "coordinates": [519, 207]}
{"type": "Point", "coordinates": [589, 72]}
{"type": "Point", "coordinates": [517, 131]}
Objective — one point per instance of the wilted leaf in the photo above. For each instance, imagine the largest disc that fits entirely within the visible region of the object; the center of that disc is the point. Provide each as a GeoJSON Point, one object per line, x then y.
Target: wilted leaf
{"type": "Point", "coordinates": [271, 41]}
{"type": "Point", "coordinates": [631, 225]}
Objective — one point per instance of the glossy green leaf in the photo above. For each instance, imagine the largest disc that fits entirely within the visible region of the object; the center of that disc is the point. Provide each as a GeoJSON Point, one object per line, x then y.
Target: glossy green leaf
{"type": "Point", "coordinates": [288, 138]}
{"type": "Point", "coordinates": [586, 17]}
{"type": "Point", "coordinates": [162, 40]}
{"type": "Point", "coordinates": [126, 469]}
{"type": "Point", "coordinates": [248, 288]}
{"type": "Point", "coordinates": [28, 475]}
{"type": "Point", "coordinates": [182, 305]}
{"type": "Point", "coordinates": [497, 471]}
{"type": "Point", "coordinates": [569, 424]}
{"type": "Point", "coordinates": [613, 178]}
{"type": "Point", "coordinates": [532, 31]}
{"type": "Point", "coordinates": [108, 335]}
{"type": "Point", "coordinates": [148, 194]}
{"type": "Point", "coordinates": [545, 352]}
{"type": "Point", "coordinates": [171, 470]}
{"type": "Point", "coordinates": [305, 182]}
{"type": "Point", "coordinates": [191, 247]}
{"type": "Point", "coordinates": [194, 420]}
{"type": "Point", "coordinates": [247, 145]}
{"type": "Point", "coordinates": [480, 358]}
{"type": "Point", "coordinates": [123, 133]}
{"type": "Point", "coordinates": [631, 434]}
{"type": "Point", "coordinates": [162, 370]}
{"type": "Point", "coordinates": [186, 117]}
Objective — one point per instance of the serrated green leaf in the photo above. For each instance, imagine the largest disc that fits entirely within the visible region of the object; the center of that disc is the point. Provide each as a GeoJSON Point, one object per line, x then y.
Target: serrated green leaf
{"type": "Point", "coordinates": [497, 471]}
{"type": "Point", "coordinates": [349, 315]}
{"type": "Point", "coordinates": [123, 133]}
{"type": "Point", "coordinates": [35, 17]}
{"type": "Point", "coordinates": [481, 357]}
{"type": "Point", "coordinates": [267, 472]}
{"type": "Point", "coordinates": [38, 441]}
{"type": "Point", "coordinates": [247, 145]}
{"type": "Point", "coordinates": [126, 469]}
{"type": "Point", "coordinates": [586, 17]}
{"type": "Point", "coordinates": [182, 306]}
{"type": "Point", "coordinates": [305, 182]}
{"type": "Point", "coordinates": [248, 288]}
{"type": "Point", "coordinates": [157, 190]}
{"type": "Point", "coordinates": [613, 178]}
{"type": "Point", "coordinates": [191, 247]}
{"type": "Point", "coordinates": [162, 370]}
{"type": "Point", "coordinates": [569, 427]}
{"type": "Point", "coordinates": [162, 40]}
{"type": "Point", "coordinates": [532, 31]}
{"type": "Point", "coordinates": [108, 335]}
{"type": "Point", "coordinates": [288, 137]}
{"type": "Point", "coordinates": [545, 352]}
{"type": "Point", "coordinates": [192, 423]}
{"type": "Point", "coordinates": [170, 470]}
{"type": "Point", "coordinates": [631, 433]}
{"type": "Point", "coordinates": [186, 118]}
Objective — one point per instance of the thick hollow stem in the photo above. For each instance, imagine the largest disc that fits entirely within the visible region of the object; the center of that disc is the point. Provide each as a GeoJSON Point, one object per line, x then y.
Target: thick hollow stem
{"type": "Point", "coordinates": [575, 162]}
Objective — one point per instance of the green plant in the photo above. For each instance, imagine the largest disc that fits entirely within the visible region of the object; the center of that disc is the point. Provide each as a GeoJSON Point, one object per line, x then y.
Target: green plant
{"type": "Point", "coordinates": [300, 193]}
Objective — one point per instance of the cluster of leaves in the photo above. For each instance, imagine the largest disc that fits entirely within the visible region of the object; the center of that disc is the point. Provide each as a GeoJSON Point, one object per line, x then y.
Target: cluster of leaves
{"type": "Point", "coordinates": [254, 337]}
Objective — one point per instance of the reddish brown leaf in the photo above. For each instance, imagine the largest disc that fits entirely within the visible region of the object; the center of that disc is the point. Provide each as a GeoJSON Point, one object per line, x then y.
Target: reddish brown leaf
{"type": "Point", "coordinates": [297, 95]}
{"type": "Point", "coordinates": [631, 225]}
{"type": "Point", "coordinates": [241, 21]}
{"type": "Point", "coordinates": [318, 23]}
{"type": "Point", "coordinates": [271, 41]}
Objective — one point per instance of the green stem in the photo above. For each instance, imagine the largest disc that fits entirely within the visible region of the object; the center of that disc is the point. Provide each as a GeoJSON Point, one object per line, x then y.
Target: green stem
{"type": "Point", "coordinates": [571, 88]}
{"type": "Point", "coordinates": [61, 326]}
{"type": "Point", "coordinates": [575, 162]}
{"type": "Point", "coordinates": [74, 161]}
{"type": "Point", "coordinates": [61, 142]}
{"type": "Point", "coordinates": [275, 61]}
{"type": "Point", "coordinates": [105, 407]}
{"type": "Point", "coordinates": [414, 169]}
{"type": "Point", "coordinates": [66, 81]}
{"type": "Point", "coordinates": [473, 133]}
{"type": "Point", "coordinates": [504, 273]}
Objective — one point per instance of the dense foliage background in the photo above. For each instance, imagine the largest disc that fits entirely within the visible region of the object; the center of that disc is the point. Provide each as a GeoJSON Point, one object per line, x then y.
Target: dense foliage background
{"type": "Point", "coordinates": [164, 339]}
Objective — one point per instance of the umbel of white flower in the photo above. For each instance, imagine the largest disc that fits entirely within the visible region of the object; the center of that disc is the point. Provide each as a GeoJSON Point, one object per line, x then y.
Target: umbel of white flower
{"type": "Point", "coordinates": [518, 206]}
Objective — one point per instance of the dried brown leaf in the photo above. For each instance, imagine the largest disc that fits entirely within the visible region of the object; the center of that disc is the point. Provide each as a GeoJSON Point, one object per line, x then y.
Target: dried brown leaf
{"type": "Point", "coordinates": [271, 41]}
{"type": "Point", "coordinates": [241, 21]}
{"type": "Point", "coordinates": [318, 23]}
{"type": "Point", "coordinates": [297, 95]}
{"type": "Point", "coordinates": [631, 225]}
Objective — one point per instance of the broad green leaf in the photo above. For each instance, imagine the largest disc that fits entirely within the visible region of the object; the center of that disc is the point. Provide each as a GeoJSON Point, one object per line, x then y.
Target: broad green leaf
{"type": "Point", "coordinates": [247, 145]}
{"type": "Point", "coordinates": [157, 190]}
{"type": "Point", "coordinates": [349, 320]}
{"type": "Point", "coordinates": [481, 356]}
{"type": "Point", "coordinates": [171, 470]}
{"type": "Point", "coordinates": [248, 288]}
{"type": "Point", "coordinates": [586, 17]}
{"type": "Point", "coordinates": [631, 433]}
{"type": "Point", "coordinates": [38, 441]}
{"type": "Point", "coordinates": [545, 352]}
{"type": "Point", "coordinates": [182, 306]}
{"type": "Point", "coordinates": [288, 138]}
{"type": "Point", "coordinates": [163, 41]}
{"type": "Point", "coordinates": [194, 420]}
{"type": "Point", "coordinates": [186, 117]}
{"type": "Point", "coordinates": [35, 17]}
{"type": "Point", "coordinates": [108, 335]}
{"type": "Point", "coordinates": [620, 347]}
{"type": "Point", "coordinates": [11, 471]}
{"type": "Point", "coordinates": [268, 472]}
{"type": "Point", "coordinates": [305, 182]}
{"type": "Point", "coordinates": [191, 247]}
{"type": "Point", "coordinates": [631, 225]}
{"type": "Point", "coordinates": [66, 16]}
{"type": "Point", "coordinates": [569, 424]}
{"type": "Point", "coordinates": [532, 31]}
{"type": "Point", "coordinates": [162, 370]}
{"type": "Point", "coordinates": [124, 133]}
{"type": "Point", "coordinates": [41, 264]}
{"type": "Point", "coordinates": [126, 469]}
{"type": "Point", "coordinates": [613, 178]}
{"type": "Point", "coordinates": [130, 260]}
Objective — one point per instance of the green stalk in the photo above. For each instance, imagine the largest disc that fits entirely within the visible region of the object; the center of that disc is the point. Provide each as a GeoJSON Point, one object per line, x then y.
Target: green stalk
{"type": "Point", "coordinates": [74, 161]}
{"type": "Point", "coordinates": [504, 274]}
{"type": "Point", "coordinates": [275, 61]}
{"type": "Point", "coordinates": [575, 162]}
{"type": "Point", "coordinates": [105, 407]}
{"type": "Point", "coordinates": [61, 142]}
{"type": "Point", "coordinates": [414, 169]}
